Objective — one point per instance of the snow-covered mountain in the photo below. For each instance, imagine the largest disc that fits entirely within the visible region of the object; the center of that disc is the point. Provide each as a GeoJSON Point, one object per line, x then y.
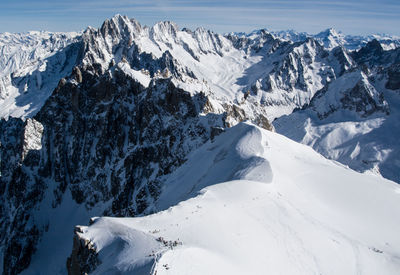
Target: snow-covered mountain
{"type": "Point", "coordinates": [99, 122]}
{"type": "Point", "coordinates": [355, 119]}
{"type": "Point", "coordinates": [31, 64]}
{"type": "Point", "coordinates": [330, 38]}
{"type": "Point", "coordinates": [233, 208]}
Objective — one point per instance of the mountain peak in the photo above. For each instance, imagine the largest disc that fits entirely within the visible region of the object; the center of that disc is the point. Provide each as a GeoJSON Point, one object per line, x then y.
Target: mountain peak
{"type": "Point", "coordinates": [374, 44]}
{"type": "Point", "coordinates": [371, 52]}
{"type": "Point", "coordinates": [330, 32]}
{"type": "Point", "coordinates": [165, 27]}
{"type": "Point", "coordinates": [118, 25]}
{"type": "Point", "coordinates": [119, 16]}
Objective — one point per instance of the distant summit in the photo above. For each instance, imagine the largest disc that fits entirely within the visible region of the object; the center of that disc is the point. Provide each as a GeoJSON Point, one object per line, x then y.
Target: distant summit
{"type": "Point", "coordinates": [330, 38]}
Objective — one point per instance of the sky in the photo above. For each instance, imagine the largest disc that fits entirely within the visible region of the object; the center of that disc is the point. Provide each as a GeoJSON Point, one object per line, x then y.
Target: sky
{"type": "Point", "coordinates": [222, 16]}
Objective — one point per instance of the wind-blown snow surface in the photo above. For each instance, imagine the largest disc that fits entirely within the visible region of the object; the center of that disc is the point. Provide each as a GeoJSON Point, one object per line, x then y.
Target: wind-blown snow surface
{"type": "Point", "coordinates": [255, 202]}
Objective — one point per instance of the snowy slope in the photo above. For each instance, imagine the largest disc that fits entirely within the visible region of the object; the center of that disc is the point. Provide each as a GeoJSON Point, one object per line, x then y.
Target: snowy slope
{"type": "Point", "coordinates": [369, 144]}
{"type": "Point", "coordinates": [253, 202]}
{"type": "Point", "coordinates": [31, 64]}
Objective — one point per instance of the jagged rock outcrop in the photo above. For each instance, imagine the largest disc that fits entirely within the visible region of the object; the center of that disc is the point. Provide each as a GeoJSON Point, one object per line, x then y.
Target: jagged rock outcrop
{"type": "Point", "coordinates": [393, 73]}
{"type": "Point", "coordinates": [83, 258]}
{"type": "Point", "coordinates": [21, 191]}
{"type": "Point", "coordinates": [352, 92]}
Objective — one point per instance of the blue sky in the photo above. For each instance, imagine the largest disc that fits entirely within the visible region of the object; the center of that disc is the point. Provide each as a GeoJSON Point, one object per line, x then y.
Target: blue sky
{"type": "Point", "coordinates": [351, 16]}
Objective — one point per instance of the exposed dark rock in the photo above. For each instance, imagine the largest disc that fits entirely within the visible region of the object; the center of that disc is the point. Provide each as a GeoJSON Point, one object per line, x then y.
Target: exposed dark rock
{"type": "Point", "coordinates": [373, 51]}
{"type": "Point", "coordinates": [233, 113]}
{"type": "Point", "coordinates": [77, 74]}
{"type": "Point", "coordinates": [263, 122]}
{"type": "Point", "coordinates": [215, 131]}
{"type": "Point", "coordinates": [393, 82]}
{"type": "Point", "coordinates": [83, 259]}
{"type": "Point", "coordinates": [360, 100]}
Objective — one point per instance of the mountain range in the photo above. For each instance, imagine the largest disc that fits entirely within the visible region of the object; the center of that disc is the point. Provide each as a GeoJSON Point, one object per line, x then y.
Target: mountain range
{"type": "Point", "coordinates": [180, 128]}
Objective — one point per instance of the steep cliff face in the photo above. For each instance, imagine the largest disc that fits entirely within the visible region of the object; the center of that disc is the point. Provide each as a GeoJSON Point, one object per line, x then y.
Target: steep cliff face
{"type": "Point", "coordinates": [21, 190]}
{"type": "Point", "coordinates": [84, 257]}
{"type": "Point", "coordinates": [104, 134]}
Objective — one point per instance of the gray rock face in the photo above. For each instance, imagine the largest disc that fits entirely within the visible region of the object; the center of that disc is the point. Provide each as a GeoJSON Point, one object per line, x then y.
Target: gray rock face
{"type": "Point", "coordinates": [20, 191]}
{"type": "Point", "coordinates": [117, 123]}
{"type": "Point", "coordinates": [353, 92]}
{"type": "Point", "coordinates": [393, 73]}
{"type": "Point", "coordinates": [32, 137]}
{"type": "Point", "coordinates": [83, 258]}
{"type": "Point", "coordinates": [360, 99]}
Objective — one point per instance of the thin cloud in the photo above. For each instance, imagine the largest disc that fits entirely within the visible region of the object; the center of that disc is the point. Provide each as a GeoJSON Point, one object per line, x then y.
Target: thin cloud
{"type": "Point", "coordinates": [223, 16]}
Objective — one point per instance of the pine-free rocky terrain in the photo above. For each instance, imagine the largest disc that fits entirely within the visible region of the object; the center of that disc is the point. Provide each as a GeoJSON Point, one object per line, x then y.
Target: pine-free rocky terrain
{"type": "Point", "coordinates": [183, 131]}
